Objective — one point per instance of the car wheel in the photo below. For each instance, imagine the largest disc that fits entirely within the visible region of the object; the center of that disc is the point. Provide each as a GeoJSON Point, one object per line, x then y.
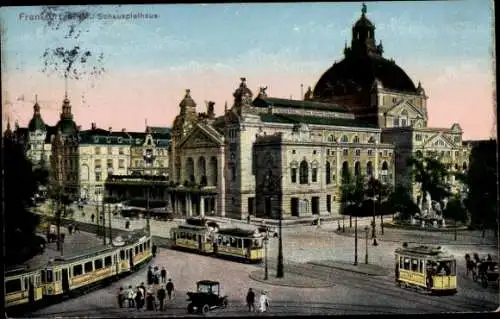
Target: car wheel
{"type": "Point", "coordinates": [190, 308]}
{"type": "Point", "coordinates": [275, 235]}
{"type": "Point", "coordinates": [205, 309]}
{"type": "Point", "coordinates": [224, 303]}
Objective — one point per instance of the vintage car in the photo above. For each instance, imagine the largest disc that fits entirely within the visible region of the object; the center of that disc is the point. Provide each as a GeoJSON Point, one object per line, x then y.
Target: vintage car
{"type": "Point", "coordinates": [206, 297]}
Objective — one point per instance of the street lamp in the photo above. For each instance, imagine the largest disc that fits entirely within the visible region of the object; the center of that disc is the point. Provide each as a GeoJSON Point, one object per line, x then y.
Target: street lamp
{"type": "Point", "coordinates": [366, 244]}
{"type": "Point", "coordinates": [374, 234]}
{"type": "Point", "coordinates": [355, 240]}
{"type": "Point", "coordinates": [148, 225]}
{"type": "Point", "coordinates": [280, 270]}
{"type": "Point", "coordinates": [266, 242]}
{"type": "Point", "coordinates": [103, 212]}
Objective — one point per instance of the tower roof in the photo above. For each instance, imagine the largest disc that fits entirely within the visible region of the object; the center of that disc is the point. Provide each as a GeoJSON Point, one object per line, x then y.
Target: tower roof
{"type": "Point", "coordinates": [36, 123]}
{"type": "Point", "coordinates": [187, 101]}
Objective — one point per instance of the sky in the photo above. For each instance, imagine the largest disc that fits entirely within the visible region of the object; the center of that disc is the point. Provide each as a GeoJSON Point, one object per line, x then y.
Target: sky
{"type": "Point", "coordinates": [152, 57]}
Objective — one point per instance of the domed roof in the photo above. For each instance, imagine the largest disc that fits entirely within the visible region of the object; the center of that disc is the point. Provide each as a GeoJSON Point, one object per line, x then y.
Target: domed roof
{"type": "Point", "coordinates": [36, 123]}
{"type": "Point", "coordinates": [187, 101]}
{"type": "Point", "coordinates": [67, 126]}
{"type": "Point", "coordinates": [356, 74]}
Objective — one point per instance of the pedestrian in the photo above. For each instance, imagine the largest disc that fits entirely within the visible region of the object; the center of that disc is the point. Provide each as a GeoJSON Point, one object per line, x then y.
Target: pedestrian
{"type": "Point", "coordinates": [138, 298]}
{"type": "Point", "coordinates": [251, 300]}
{"type": "Point", "coordinates": [127, 224]}
{"type": "Point", "coordinates": [92, 217]}
{"type": "Point", "coordinates": [156, 278]}
{"type": "Point", "coordinates": [150, 300]}
{"type": "Point", "coordinates": [149, 278]}
{"type": "Point", "coordinates": [489, 258]}
{"type": "Point", "coordinates": [264, 302]}
{"type": "Point", "coordinates": [121, 297]}
{"type": "Point", "coordinates": [70, 228]}
{"type": "Point", "coordinates": [77, 229]}
{"type": "Point", "coordinates": [163, 274]}
{"type": "Point", "coordinates": [248, 219]}
{"type": "Point", "coordinates": [153, 250]}
{"type": "Point", "coordinates": [170, 288]}
{"type": "Point", "coordinates": [161, 294]}
{"type": "Point", "coordinates": [130, 296]}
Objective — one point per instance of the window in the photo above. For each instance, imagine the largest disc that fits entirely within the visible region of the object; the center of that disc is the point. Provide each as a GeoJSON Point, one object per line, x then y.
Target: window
{"type": "Point", "coordinates": [413, 122]}
{"type": "Point", "coordinates": [345, 152]}
{"type": "Point", "coordinates": [370, 153]}
{"type": "Point", "coordinates": [328, 173]}
{"type": "Point", "coordinates": [77, 270]}
{"type": "Point", "coordinates": [97, 163]}
{"type": "Point", "coordinates": [107, 261]}
{"type": "Point", "coordinates": [88, 267]}
{"type": "Point", "coordinates": [110, 163]}
{"type": "Point", "coordinates": [50, 277]}
{"type": "Point", "coordinates": [314, 152]}
{"type": "Point", "coordinates": [304, 172]}
{"type": "Point", "coordinates": [120, 140]}
{"type": "Point", "coordinates": [110, 150]}
{"type": "Point", "coordinates": [314, 175]}
{"type": "Point", "coordinates": [356, 139]}
{"type": "Point", "coordinates": [358, 152]}
{"type": "Point", "coordinates": [414, 264]}
{"type": "Point", "coordinates": [406, 264]}
{"type": "Point", "coordinates": [12, 286]}
{"type": "Point", "coordinates": [98, 263]}
{"type": "Point", "coordinates": [121, 151]}
{"type": "Point", "coordinates": [293, 175]}
{"type": "Point", "coordinates": [395, 122]}
{"type": "Point", "coordinates": [345, 139]}
{"type": "Point", "coordinates": [98, 176]}
{"type": "Point", "coordinates": [136, 164]}
{"type": "Point", "coordinates": [385, 153]}
{"type": "Point", "coordinates": [403, 122]}
{"type": "Point", "coordinates": [418, 137]}
{"type": "Point", "coordinates": [293, 151]}
{"type": "Point", "coordinates": [121, 163]}
{"type": "Point", "coordinates": [97, 150]}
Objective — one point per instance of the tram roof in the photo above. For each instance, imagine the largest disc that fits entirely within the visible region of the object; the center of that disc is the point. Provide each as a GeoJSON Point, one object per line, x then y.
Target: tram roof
{"type": "Point", "coordinates": [238, 232]}
{"type": "Point", "coordinates": [433, 252]}
{"type": "Point", "coordinates": [91, 252]}
{"type": "Point", "coordinates": [191, 227]}
{"type": "Point", "coordinates": [19, 269]}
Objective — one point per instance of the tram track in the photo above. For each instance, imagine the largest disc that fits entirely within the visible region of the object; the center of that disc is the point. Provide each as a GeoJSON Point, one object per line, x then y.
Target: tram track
{"type": "Point", "coordinates": [379, 286]}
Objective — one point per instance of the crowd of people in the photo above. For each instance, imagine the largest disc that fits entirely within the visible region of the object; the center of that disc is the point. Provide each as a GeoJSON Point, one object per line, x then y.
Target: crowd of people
{"type": "Point", "coordinates": [151, 298]}
{"type": "Point", "coordinates": [263, 301]}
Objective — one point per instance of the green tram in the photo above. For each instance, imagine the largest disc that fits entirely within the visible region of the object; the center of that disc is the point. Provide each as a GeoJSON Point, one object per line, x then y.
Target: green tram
{"type": "Point", "coordinates": [195, 235]}
{"type": "Point", "coordinates": [426, 268]}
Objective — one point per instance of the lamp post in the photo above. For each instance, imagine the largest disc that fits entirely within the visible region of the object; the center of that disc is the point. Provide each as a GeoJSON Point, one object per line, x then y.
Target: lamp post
{"type": "Point", "coordinates": [109, 222]}
{"type": "Point", "coordinates": [266, 241]}
{"type": "Point", "coordinates": [374, 234]}
{"type": "Point", "coordinates": [103, 212]}
{"type": "Point", "coordinates": [280, 270]}
{"type": "Point", "coordinates": [148, 226]}
{"type": "Point", "coordinates": [355, 240]}
{"type": "Point", "coordinates": [366, 244]}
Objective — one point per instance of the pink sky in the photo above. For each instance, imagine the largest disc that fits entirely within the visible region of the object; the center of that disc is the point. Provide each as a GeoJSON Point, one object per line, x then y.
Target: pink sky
{"type": "Point", "coordinates": [126, 99]}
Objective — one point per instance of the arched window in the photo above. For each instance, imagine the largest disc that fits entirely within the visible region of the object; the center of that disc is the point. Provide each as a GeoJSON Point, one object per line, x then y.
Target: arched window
{"type": "Point", "coordinates": [464, 166]}
{"type": "Point", "coordinates": [371, 140]}
{"type": "Point", "coordinates": [202, 170]}
{"type": "Point", "coordinates": [418, 153]}
{"type": "Point", "coordinates": [190, 169]}
{"type": "Point", "coordinates": [345, 139]}
{"type": "Point", "coordinates": [328, 173]}
{"type": "Point", "coordinates": [213, 171]}
{"type": "Point", "coordinates": [345, 170]}
{"type": "Point", "coordinates": [369, 168]}
{"type": "Point", "coordinates": [356, 139]}
{"type": "Point", "coordinates": [357, 169]}
{"type": "Point", "coordinates": [456, 167]}
{"type": "Point", "coordinates": [385, 166]}
{"type": "Point", "coordinates": [304, 172]}
{"type": "Point", "coordinates": [331, 138]}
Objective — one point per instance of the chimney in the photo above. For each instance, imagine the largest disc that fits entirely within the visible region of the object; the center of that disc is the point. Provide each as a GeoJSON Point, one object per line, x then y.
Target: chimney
{"type": "Point", "coordinates": [124, 130]}
{"type": "Point", "coordinates": [93, 126]}
{"type": "Point", "coordinates": [110, 129]}
{"type": "Point", "coordinates": [79, 127]}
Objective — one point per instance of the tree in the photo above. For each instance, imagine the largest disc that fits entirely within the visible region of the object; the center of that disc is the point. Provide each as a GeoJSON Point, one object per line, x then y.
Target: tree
{"type": "Point", "coordinates": [431, 174]}
{"type": "Point", "coordinates": [20, 185]}
{"type": "Point", "coordinates": [352, 196]}
{"type": "Point", "coordinates": [400, 201]}
{"type": "Point", "coordinates": [480, 180]}
{"type": "Point", "coordinates": [376, 190]}
{"type": "Point", "coordinates": [455, 210]}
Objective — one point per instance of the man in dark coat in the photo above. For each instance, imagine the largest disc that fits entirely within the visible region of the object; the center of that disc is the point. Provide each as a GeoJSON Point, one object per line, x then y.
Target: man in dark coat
{"type": "Point", "coordinates": [161, 294]}
{"type": "Point", "coordinates": [163, 274]}
{"type": "Point", "coordinates": [150, 276]}
{"type": "Point", "coordinates": [251, 300]}
{"type": "Point", "coordinates": [170, 288]}
{"type": "Point", "coordinates": [153, 250]}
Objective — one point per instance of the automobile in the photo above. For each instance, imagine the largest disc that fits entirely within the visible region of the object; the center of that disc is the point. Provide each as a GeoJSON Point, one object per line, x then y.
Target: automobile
{"type": "Point", "coordinates": [213, 225]}
{"type": "Point", "coordinates": [207, 297]}
{"type": "Point", "coordinates": [273, 233]}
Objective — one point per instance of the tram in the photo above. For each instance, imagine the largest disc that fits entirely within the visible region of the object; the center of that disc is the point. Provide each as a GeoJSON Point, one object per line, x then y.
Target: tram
{"type": "Point", "coordinates": [67, 275]}
{"type": "Point", "coordinates": [426, 268]}
{"type": "Point", "coordinates": [235, 243]}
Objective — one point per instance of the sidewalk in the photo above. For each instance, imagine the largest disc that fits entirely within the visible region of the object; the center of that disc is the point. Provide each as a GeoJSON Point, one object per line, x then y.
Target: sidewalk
{"type": "Point", "coordinates": [289, 280]}
{"type": "Point", "coordinates": [361, 268]}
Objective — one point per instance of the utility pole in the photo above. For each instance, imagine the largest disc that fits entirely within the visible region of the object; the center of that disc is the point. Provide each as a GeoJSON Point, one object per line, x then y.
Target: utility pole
{"type": "Point", "coordinates": [266, 241]}
{"type": "Point", "coordinates": [103, 212]}
{"type": "Point", "coordinates": [366, 244]}
{"type": "Point", "coordinates": [355, 240]}
{"type": "Point", "coordinates": [148, 226]}
{"type": "Point", "coordinates": [110, 229]}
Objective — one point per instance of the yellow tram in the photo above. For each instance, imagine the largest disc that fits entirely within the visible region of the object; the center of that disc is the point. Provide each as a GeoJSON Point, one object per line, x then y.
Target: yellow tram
{"type": "Point", "coordinates": [192, 237]}
{"type": "Point", "coordinates": [426, 268]}
{"type": "Point", "coordinates": [239, 243]}
{"type": "Point", "coordinates": [22, 286]}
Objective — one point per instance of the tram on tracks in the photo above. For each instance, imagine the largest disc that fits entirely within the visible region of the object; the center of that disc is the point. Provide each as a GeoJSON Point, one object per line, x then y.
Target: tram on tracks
{"type": "Point", "coordinates": [426, 268]}
{"type": "Point", "coordinates": [233, 243]}
{"type": "Point", "coordinates": [71, 274]}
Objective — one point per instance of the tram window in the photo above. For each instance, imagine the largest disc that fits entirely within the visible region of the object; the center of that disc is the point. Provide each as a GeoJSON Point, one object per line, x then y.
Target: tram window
{"type": "Point", "coordinates": [88, 267]}
{"type": "Point", "coordinates": [107, 261]}
{"type": "Point", "coordinates": [446, 268]}
{"type": "Point", "coordinates": [414, 264]}
{"type": "Point", "coordinates": [421, 266]}
{"type": "Point", "coordinates": [401, 262]}
{"type": "Point", "coordinates": [12, 285]}
{"type": "Point", "coordinates": [50, 276]}
{"type": "Point", "coordinates": [136, 250]}
{"type": "Point", "coordinates": [26, 285]}
{"type": "Point", "coordinates": [44, 276]}
{"type": "Point", "coordinates": [141, 248]}
{"type": "Point", "coordinates": [58, 275]}
{"type": "Point", "coordinates": [189, 236]}
{"type": "Point", "coordinates": [77, 270]}
{"type": "Point", "coordinates": [247, 243]}
{"type": "Point", "coordinates": [406, 264]}
{"type": "Point", "coordinates": [122, 255]}
{"type": "Point", "coordinates": [98, 264]}
{"type": "Point", "coordinates": [126, 254]}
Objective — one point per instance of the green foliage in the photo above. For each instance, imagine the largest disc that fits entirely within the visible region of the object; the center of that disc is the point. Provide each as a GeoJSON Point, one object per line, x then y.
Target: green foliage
{"type": "Point", "coordinates": [481, 177]}
{"type": "Point", "coordinates": [431, 174]}
{"type": "Point", "coordinates": [20, 185]}
{"type": "Point", "coordinates": [455, 209]}
{"type": "Point", "coordinates": [41, 176]}
{"type": "Point", "coordinates": [400, 201]}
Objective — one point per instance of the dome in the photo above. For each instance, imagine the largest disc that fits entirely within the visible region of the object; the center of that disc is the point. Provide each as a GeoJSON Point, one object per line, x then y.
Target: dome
{"type": "Point", "coordinates": [36, 124]}
{"type": "Point", "coordinates": [67, 126]}
{"type": "Point", "coordinates": [355, 74]}
{"type": "Point", "coordinates": [187, 101]}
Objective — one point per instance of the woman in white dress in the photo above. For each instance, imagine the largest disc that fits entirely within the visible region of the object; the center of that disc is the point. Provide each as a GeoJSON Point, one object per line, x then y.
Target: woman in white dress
{"type": "Point", "coordinates": [264, 302]}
